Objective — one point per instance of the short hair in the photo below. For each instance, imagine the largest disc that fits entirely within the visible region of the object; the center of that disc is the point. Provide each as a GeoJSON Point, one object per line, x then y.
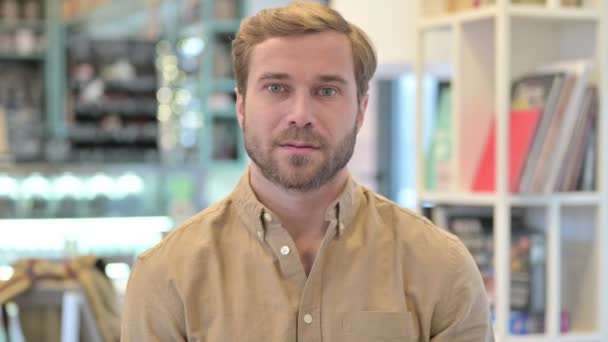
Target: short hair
{"type": "Point", "coordinates": [299, 18]}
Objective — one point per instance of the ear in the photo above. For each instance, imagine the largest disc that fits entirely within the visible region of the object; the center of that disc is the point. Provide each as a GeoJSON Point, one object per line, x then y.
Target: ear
{"type": "Point", "coordinates": [361, 112]}
{"type": "Point", "coordinates": [240, 107]}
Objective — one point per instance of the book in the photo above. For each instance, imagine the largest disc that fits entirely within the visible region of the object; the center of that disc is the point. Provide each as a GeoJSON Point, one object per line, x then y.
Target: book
{"type": "Point", "coordinates": [570, 172]}
{"type": "Point", "coordinates": [549, 110]}
{"type": "Point", "coordinates": [556, 156]}
{"type": "Point", "coordinates": [533, 90]}
{"type": "Point", "coordinates": [550, 138]}
{"type": "Point", "coordinates": [522, 128]}
{"type": "Point", "coordinates": [438, 161]}
{"type": "Point", "coordinates": [588, 180]}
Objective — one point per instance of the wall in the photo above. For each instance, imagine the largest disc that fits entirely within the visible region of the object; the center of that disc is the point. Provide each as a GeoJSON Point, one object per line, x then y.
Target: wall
{"type": "Point", "coordinates": [389, 23]}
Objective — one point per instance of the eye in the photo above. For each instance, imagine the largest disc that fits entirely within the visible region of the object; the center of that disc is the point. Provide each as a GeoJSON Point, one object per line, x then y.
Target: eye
{"type": "Point", "coordinates": [326, 91]}
{"type": "Point", "coordinates": [275, 88]}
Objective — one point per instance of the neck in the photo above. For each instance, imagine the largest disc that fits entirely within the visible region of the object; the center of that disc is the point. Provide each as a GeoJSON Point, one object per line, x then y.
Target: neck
{"type": "Point", "coordinates": [302, 213]}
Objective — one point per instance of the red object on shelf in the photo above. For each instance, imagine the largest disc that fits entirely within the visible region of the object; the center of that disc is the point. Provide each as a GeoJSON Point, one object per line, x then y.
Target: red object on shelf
{"type": "Point", "coordinates": [522, 129]}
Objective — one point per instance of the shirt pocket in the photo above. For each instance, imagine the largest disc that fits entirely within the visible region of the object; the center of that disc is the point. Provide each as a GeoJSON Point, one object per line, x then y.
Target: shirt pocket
{"type": "Point", "coordinates": [380, 326]}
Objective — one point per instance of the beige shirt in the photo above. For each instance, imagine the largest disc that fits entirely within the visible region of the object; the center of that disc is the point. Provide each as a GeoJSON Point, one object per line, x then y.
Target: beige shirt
{"type": "Point", "coordinates": [232, 273]}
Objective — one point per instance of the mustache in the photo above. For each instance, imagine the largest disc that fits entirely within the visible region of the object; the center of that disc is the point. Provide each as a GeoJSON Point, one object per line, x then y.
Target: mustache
{"type": "Point", "coordinates": [305, 135]}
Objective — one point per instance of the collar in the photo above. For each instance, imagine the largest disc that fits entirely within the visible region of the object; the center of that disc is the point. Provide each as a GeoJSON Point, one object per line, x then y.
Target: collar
{"type": "Point", "coordinates": [256, 216]}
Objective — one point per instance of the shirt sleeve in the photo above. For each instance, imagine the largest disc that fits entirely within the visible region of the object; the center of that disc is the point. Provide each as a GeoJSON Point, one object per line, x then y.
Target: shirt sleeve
{"type": "Point", "coordinates": [463, 312]}
{"type": "Point", "coordinates": [152, 309]}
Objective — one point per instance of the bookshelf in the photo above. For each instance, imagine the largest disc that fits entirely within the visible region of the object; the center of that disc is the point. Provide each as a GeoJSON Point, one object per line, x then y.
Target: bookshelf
{"type": "Point", "coordinates": [482, 51]}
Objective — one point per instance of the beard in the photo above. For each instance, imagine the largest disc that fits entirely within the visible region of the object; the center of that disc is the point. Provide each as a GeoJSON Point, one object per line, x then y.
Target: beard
{"type": "Point", "coordinates": [298, 172]}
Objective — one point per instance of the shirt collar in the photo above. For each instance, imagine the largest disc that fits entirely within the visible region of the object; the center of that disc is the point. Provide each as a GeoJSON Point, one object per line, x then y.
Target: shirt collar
{"type": "Point", "coordinates": [251, 210]}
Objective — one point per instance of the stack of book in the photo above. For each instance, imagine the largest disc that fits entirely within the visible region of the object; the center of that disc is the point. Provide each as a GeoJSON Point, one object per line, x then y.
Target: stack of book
{"type": "Point", "coordinates": [552, 133]}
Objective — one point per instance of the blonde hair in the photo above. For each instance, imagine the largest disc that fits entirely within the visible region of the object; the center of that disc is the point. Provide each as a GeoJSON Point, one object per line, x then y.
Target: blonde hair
{"type": "Point", "coordinates": [299, 18]}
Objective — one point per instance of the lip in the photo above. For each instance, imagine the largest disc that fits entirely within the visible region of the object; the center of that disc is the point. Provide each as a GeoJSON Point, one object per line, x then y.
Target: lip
{"type": "Point", "coordinates": [299, 148]}
{"type": "Point", "coordinates": [299, 145]}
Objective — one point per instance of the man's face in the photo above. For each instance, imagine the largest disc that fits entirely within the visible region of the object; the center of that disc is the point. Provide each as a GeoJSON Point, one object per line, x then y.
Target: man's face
{"type": "Point", "coordinates": [300, 115]}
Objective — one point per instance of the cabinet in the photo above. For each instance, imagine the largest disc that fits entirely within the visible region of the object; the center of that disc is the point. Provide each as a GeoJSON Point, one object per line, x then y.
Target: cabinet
{"type": "Point", "coordinates": [481, 51]}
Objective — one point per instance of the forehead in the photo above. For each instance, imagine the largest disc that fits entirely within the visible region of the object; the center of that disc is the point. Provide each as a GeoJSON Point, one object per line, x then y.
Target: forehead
{"type": "Point", "coordinates": [304, 55]}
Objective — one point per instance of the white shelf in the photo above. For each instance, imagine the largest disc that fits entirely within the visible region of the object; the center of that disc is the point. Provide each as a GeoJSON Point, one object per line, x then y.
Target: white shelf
{"type": "Point", "coordinates": [562, 338]}
{"type": "Point", "coordinates": [528, 338]}
{"type": "Point", "coordinates": [448, 21]}
{"type": "Point", "coordinates": [536, 12]}
{"type": "Point", "coordinates": [580, 338]}
{"type": "Point", "coordinates": [461, 199]}
{"type": "Point", "coordinates": [563, 199]}
{"type": "Point", "coordinates": [490, 199]}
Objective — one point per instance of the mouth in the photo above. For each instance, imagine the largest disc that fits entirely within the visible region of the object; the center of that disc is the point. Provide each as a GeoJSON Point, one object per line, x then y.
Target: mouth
{"type": "Point", "coordinates": [303, 145]}
{"type": "Point", "coordinates": [299, 147]}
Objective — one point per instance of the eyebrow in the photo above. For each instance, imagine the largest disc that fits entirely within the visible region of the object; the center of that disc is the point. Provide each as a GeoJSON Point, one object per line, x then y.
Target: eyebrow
{"type": "Point", "coordinates": [333, 78]}
{"type": "Point", "coordinates": [283, 76]}
{"type": "Point", "coordinates": [273, 76]}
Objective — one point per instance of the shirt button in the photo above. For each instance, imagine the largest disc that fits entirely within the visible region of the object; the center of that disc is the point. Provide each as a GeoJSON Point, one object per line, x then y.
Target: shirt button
{"type": "Point", "coordinates": [267, 217]}
{"type": "Point", "coordinates": [285, 250]}
{"type": "Point", "coordinates": [308, 318]}
{"type": "Point", "coordinates": [260, 234]}
{"type": "Point", "coordinates": [341, 227]}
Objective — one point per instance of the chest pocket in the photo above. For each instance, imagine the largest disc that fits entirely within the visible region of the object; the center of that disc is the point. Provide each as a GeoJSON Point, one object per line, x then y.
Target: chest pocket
{"type": "Point", "coordinates": [379, 326]}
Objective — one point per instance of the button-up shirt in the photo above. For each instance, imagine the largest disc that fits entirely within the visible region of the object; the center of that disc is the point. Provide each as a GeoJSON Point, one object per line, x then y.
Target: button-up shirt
{"type": "Point", "coordinates": [233, 273]}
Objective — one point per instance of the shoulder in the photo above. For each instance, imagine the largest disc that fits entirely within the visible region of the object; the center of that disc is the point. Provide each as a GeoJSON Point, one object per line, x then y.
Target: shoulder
{"type": "Point", "coordinates": [416, 237]}
{"type": "Point", "coordinates": [410, 227]}
{"type": "Point", "coordinates": [185, 242]}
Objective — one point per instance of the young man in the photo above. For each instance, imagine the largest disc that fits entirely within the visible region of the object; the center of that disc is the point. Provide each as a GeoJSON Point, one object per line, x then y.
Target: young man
{"type": "Point", "coordinates": [299, 251]}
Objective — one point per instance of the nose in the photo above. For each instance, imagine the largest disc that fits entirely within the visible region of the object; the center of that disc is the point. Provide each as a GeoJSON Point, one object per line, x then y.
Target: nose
{"type": "Point", "coordinates": [302, 113]}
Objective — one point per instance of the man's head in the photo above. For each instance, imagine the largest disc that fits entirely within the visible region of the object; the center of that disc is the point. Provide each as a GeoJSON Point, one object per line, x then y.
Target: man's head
{"type": "Point", "coordinates": [302, 76]}
{"type": "Point", "coordinates": [295, 19]}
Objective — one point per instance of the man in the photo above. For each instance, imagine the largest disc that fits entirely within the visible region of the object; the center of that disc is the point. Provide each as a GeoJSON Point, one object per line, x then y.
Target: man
{"type": "Point", "coordinates": [299, 251]}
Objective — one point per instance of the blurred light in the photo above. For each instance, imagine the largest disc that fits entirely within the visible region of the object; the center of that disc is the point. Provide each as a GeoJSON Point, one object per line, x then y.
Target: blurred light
{"type": "Point", "coordinates": [55, 236]}
{"type": "Point", "coordinates": [68, 185]}
{"type": "Point", "coordinates": [182, 97]}
{"type": "Point", "coordinates": [163, 47]}
{"type": "Point", "coordinates": [8, 186]}
{"type": "Point", "coordinates": [191, 120]}
{"type": "Point", "coordinates": [188, 139]}
{"type": "Point", "coordinates": [35, 184]}
{"type": "Point", "coordinates": [192, 46]}
{"type": "Point", "coordinates": [118, 270]}
{"type": "Point", "coordinates": [170, 73]}
{"type": "Point", "coordinates": [100, 184]}
{"type": "Point", "coordinates": [130, 183]}
{"type": "Point", "coordinates": [6, 272]}
{"type": "Point", "coordinates": [164, 112]}
{"type": "Point", "coordinates": [164, 95]}
{"type": "Point", "coordinates": [169, 61]}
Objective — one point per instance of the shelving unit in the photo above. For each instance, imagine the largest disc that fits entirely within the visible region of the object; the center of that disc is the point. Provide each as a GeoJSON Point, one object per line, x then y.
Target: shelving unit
{"type": "Point", "coordinates": [211, 84]}
{"type": "Point", "coordinates": [23, 61]}
{"type": "Point", "coordinates": [113, 103]}
{"type": "Point", "coordinates": [482, 51]}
